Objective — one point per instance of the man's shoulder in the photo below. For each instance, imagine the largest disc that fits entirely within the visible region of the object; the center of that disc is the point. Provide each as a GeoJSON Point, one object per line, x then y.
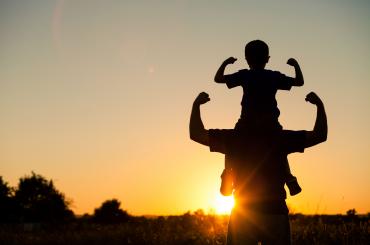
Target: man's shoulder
{"type": "Point", "coordinates": [219, 139]}
{"type": "Point", "coordinates": [221, 132]}
{"type": "Point", "coordinates": [292, 140]}
{"type": "Point", "coordinates": [291, 133]}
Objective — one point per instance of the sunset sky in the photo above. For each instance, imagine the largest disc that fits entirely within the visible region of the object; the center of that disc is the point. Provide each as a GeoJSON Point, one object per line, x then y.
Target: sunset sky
{"type": "Point", "coordinates": [96, 95]}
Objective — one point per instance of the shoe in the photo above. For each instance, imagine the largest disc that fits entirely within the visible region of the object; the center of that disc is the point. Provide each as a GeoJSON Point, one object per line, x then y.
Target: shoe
{"type": "Point", "coordinates": [293, 187]}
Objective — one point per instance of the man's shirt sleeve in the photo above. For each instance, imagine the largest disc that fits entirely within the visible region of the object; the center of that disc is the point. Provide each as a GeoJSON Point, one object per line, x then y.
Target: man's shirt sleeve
{"type": "Point", "coordinates": [293, 141]}
{"type": "Point", "coordinates": [236, 79]}
{"type": "Point", "coordinates": [218, 140]}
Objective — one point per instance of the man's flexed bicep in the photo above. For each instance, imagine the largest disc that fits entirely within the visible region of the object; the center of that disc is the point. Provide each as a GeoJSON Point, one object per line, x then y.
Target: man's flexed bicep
{"type": "Point", "coordinates": [319, 133]}
{"type": "Point", "coordinates": [196, 128]}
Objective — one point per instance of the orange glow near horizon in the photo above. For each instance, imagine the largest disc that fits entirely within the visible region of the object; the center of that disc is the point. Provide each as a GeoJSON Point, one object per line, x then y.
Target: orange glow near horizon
{"type": "Point", "coordinates": [96, 95]}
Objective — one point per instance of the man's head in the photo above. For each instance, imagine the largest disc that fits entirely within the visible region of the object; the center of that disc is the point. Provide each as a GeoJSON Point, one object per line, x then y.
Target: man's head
{"type": "Point", "coordinates": [257, 54]}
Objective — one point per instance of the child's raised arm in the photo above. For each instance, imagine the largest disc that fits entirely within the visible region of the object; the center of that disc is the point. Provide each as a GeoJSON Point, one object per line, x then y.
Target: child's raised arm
{"type": "Point", "coordinates": [219, 77]}
{"type": "Point", "coordinates": [298, 80]}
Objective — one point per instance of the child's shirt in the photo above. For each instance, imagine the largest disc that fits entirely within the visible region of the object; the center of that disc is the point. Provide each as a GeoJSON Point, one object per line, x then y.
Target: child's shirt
{"type": "Point", "coordinates": [259, 91]}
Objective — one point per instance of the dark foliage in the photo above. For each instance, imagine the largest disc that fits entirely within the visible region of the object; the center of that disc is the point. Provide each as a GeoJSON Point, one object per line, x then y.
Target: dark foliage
{"type": "Point", "coordinates": [41, 210]}
{"type": "Point", "coordinates": [8, 207]}
{"type": "Point", "coordinates": [191, 228]}
{"type": "Point", "coordinates": [110, 212]}
{"type": "Point", "coordinates": [40, 201]}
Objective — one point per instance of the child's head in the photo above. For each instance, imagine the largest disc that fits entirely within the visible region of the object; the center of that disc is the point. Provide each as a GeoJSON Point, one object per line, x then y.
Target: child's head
{"type": "Point", "coordinates": [257, 54]}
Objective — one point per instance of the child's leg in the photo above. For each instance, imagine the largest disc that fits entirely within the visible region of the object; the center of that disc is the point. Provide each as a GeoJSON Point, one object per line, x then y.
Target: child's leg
{"type": "Point", "coordinates": [227, 178]}
{"type": "Point", "coordinates": [290, 180]}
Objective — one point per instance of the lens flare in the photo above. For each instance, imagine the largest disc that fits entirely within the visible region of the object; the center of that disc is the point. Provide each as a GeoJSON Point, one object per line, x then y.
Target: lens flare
{"type": "Point", "coordinates": [224, 204]}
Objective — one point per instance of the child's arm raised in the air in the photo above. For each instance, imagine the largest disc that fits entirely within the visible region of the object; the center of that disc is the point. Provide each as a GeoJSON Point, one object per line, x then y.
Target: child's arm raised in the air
{"type": "Point", "coordinates": [219, 77]}
{"type": "Point", "coordinates": [298, 80]}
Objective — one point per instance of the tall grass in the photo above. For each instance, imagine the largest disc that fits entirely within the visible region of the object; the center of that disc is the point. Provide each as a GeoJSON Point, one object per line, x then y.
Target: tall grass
{"type": "Point", "coordinates": [189, 228]}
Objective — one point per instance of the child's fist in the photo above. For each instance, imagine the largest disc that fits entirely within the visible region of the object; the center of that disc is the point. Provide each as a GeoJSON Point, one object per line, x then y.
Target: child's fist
{"type": "Point", "coordinates": [292, 62]}
{"type": "Point", "coordinates": [230, 60]}
{"type": "Point", "coordinates": [202, 98]}
{"type": "Point", "coordinates": [313, 98]}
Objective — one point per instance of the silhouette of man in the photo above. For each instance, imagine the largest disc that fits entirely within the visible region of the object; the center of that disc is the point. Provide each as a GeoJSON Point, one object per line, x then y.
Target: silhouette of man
{"type": "Point", "coordinates": [257, 159]}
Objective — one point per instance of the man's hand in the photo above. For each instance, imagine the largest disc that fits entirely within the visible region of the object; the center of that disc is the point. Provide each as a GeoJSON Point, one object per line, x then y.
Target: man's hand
{"type": "Point", "coordinates": [313, 98]}
{"type": "Point", "coordinates": [292, 62]}
{"type": "Point", "coordinates": [230, 60]}
{"type": "Point", "coordinates": [202, 98]}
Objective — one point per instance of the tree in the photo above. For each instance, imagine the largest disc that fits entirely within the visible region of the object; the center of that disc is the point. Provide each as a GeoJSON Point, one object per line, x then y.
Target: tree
{"type": "Point", "coordinates": [4, 189]}
{"type": "Point", "coordinates": [8, 207]}
{"type": "Point", "coordinates": [110, 212]}
{"type": "Point", "coordinates": [351, 212]}
{"type": "Point", "coordinates": [40, 201]}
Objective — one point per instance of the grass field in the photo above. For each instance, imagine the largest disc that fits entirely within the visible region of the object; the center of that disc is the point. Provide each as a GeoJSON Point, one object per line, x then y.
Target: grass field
{"type": "Point", "coordinates": [195, 228]}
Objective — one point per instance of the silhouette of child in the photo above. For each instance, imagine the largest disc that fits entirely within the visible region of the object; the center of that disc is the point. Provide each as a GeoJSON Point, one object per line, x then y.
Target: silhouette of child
{"type": "Point", "coordinates": [259, 106]}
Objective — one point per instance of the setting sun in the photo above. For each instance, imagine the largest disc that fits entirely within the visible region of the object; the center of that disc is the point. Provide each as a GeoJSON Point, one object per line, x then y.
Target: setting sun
{"type": "Point", "coordinates": [224, 204]}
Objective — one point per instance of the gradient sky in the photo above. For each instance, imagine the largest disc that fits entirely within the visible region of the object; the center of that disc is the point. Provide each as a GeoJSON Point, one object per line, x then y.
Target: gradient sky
{"type": "Point", "coordinates": [96, 95]}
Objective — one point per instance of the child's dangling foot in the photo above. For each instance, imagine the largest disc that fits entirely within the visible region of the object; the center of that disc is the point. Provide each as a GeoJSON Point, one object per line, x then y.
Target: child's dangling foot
{"type": "Point", "coordinates": [227, 179]}
{"type": "Point", "coordinates": [293, 186]}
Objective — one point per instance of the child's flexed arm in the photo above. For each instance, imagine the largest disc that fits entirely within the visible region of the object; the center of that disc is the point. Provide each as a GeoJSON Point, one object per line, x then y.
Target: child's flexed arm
{"type": "Point", "coordinates": [298, 81]}
{"type": "Point", "coordinates": [219, 77]}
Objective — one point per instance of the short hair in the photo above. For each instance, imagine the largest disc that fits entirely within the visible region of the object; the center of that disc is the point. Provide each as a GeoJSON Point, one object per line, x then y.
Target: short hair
{"type": "Point", "coordinates": [257, 52]}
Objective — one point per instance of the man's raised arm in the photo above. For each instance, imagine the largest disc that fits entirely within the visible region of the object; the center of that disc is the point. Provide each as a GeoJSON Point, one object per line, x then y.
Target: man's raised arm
{"type": "Point", "coordinates": [196, 128]}
{"type": "Point", "coordinates": [319, 133]}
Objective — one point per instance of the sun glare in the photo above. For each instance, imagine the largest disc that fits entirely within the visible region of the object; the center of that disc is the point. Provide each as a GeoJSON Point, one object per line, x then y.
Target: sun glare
{"type": "Point", "coordinates": [223, 204]}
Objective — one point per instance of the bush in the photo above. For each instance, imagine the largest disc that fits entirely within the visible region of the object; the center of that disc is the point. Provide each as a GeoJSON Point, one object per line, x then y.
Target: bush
{"type": "Point", "coordinates": [110, 212]}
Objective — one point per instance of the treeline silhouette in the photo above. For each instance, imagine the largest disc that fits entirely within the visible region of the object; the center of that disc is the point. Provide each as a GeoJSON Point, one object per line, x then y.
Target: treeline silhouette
{"type": "Point", "coordinates": [35, 212]}
{"type": "Point", "coordinates": [36, 200]}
